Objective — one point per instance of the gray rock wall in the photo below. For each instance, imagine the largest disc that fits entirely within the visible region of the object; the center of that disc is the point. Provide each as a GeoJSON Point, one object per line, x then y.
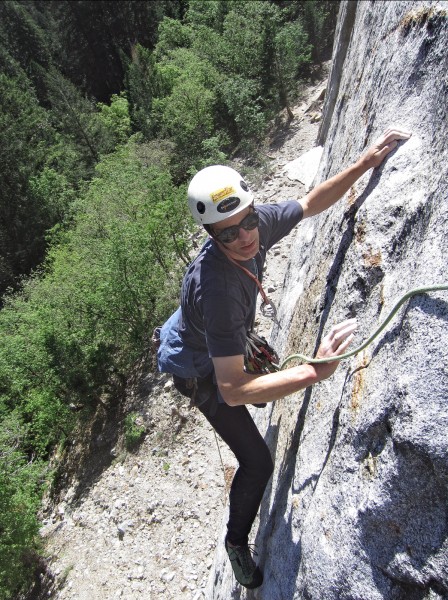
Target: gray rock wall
{"type": "Point", "coordinates": [358, 505]}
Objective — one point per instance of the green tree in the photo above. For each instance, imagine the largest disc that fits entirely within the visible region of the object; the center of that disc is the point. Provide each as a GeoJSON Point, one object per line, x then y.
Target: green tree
{"type": "Point", "coordinates": [187, 114]}
{"type": "Point", "coordinates": [245, 107]}
{"type": "Point", "coordinates": [30, 385]}
{"type": "Point", "coordinates": [24, 43]}
{"type": "Point", "coordinates": [292, 55]}
{"type": "Point", "coordinates": [318, 18]}
{"type": "Point", "coordinates": [172, 34]}
{"type": "Point", "coordinates": [249, 31]}
{"type": "Point", "coordinates": [242, 54]}
{"type": "Point", "coordinates": [75, 116]}
{"type": "Point", "coordinates": [95, 39]}
{"type": "Point", "coordinates": [105, 275]}
{"type": "Point", "coordinates": [115, 120]}
{"type": "Point", "coordinates": [51, 190]}
{"type": "Point", "coordinates": [25, 132]}
{"type": "Point", "coordinates": [209, 14]}
{"type": "Point", "coordinates": [144, 83]}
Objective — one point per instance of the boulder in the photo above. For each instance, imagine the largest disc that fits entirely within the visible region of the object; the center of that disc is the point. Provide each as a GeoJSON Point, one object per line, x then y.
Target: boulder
{"type": "Point", "coordinates": [304, 168]}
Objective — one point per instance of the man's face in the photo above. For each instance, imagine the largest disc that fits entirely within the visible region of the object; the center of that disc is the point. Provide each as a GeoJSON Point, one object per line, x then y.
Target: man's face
{"type": "Point", "coordinates": [247, 243]}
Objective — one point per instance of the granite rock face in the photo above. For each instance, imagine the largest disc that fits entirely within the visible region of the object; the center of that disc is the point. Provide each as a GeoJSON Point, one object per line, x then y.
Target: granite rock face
{"type": "Point", "coordinates": [357, 508]}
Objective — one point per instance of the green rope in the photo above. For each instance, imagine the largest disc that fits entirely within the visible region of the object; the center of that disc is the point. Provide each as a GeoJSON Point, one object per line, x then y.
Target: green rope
{"type": "Point", "coordinates": [375, 334]}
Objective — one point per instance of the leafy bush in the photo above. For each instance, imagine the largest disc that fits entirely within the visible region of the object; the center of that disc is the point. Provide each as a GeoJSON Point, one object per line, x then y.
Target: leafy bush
{"type": "Point", "coordinates": [240, 97]}
{"type": "Point", "coordinates": [20, 483]}
{"type": "Point", "coordinates": [133, 431]}
{"type": "Point", "coordinates": [107, 283]}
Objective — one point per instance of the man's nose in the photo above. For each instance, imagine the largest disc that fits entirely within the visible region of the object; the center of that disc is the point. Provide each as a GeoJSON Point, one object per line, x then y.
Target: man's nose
{"type": "Point", "coordinates": [243, 234]}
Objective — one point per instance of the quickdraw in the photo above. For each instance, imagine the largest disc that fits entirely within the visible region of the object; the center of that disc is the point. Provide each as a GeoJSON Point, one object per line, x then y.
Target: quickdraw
{"type": "Point", "coordinates": [260, 357]}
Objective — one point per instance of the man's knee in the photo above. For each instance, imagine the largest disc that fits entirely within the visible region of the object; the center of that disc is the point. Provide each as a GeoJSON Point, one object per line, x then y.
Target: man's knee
{"type": "Point", "coordinates": [268, 466]}
{"type": "Point", "coordinates": [262, 467]}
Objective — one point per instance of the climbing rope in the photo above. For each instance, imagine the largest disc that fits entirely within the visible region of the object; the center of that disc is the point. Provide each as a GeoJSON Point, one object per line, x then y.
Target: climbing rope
{"type": "Point", "coordinates": [375, 334]}
{"type": "Point", "coordinates": [223, 469]}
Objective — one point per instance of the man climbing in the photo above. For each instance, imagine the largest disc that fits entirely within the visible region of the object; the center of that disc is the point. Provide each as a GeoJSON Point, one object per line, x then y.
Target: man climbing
{"type": "Point", "coordinates": [203, 344]}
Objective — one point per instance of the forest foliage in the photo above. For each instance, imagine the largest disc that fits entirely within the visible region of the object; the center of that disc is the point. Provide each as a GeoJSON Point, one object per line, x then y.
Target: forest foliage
{"type": "Point", "coordinates": [106, 109]}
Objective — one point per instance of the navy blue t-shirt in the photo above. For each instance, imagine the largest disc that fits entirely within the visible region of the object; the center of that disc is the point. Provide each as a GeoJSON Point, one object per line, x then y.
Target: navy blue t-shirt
{"type": "Point", "coordinates": [218, 300]}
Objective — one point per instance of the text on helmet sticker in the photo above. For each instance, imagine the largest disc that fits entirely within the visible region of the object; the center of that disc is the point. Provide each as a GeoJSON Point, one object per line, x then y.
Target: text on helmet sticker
{"type": "Point", "coordinates": [222, 193]}
{"type": "Point", "coordinates": [228, 204]}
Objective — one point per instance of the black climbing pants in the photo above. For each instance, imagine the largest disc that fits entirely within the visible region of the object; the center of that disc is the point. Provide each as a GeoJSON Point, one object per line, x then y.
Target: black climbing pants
{"type": "Point", "coordinates": [237, 429]}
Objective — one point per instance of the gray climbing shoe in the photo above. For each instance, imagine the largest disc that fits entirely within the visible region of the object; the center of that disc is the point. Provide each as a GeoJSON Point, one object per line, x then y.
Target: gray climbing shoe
{"type": "Point", "coordinates": [246, 571]}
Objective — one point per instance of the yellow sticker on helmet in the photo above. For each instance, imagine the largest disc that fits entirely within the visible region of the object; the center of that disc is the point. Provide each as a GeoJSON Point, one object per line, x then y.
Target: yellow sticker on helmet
{"type": "Point", "coordinates": [223, 193]}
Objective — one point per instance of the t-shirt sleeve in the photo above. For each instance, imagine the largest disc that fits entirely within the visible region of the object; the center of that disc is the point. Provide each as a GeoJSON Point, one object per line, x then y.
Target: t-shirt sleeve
{"type": "Point", "coordinates": [277, 220]}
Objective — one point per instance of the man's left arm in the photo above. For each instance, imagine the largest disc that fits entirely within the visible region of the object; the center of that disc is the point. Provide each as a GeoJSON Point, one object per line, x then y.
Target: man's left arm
{"type": "Point", "coordinates": [327, 193]}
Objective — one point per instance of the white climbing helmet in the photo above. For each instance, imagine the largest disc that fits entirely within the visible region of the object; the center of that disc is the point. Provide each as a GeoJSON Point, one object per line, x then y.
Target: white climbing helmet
{"type": "Point", "coordinates": [216, 193]}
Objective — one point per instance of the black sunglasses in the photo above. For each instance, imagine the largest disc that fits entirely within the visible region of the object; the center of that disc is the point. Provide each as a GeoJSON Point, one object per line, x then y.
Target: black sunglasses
{"type": "Point", "coordinates": [230, 234]}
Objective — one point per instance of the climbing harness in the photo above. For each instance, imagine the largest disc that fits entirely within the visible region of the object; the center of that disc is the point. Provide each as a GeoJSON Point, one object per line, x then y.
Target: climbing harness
{"type": "Point", "coordinates": [375, 334]}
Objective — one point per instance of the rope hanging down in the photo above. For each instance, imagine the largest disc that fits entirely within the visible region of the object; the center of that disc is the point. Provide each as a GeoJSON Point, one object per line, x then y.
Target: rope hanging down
{"type": "Point", "coordinates": [375, 334]}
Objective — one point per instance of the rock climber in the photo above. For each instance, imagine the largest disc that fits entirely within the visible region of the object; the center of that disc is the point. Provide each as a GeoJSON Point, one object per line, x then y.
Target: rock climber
{"type": "Point", "coordinates": [203, 344]}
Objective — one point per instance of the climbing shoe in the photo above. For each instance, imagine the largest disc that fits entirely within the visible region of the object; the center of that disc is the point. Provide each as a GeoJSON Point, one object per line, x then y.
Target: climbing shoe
{"type": "Point", "coordinates": [246, 571]}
